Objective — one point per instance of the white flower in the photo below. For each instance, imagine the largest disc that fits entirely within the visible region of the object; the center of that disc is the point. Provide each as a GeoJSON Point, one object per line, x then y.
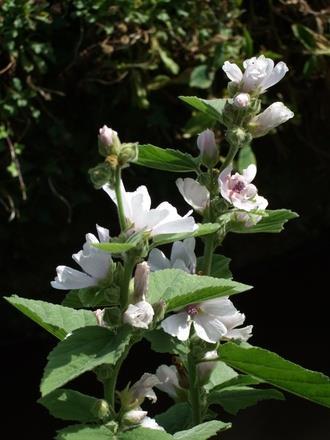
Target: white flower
{"type": "Point", "coordinates": [143, 388]}
{"type": "Point", "coordinates": [139, 315]}
{"type": "Point", "coordinates": [94, 262]}
{"type": "Point", "coordinates": [195, 194]}
{"type": "Point", "coordinates": [208, 147]}
{"type": "Point", "coordinates": [162, 220]}
{"type": "Point", "coordinates": [134, 416]}
{"type": "Point", "coordinates": [169, 380]}
{"type": "Point", "coordinates": [212, 320]}
{"type": "Point", "coordinates": [141, 281]}
{"type": "Point", "coordinates": [241, 100]}
{"type": "Point", "coordinates": [260, 74]}
{"type": "Point", "coordinates": [150, 423]}
{"type": "Point", "coordinates": [239, 191]}
{"type": "Point", "coordinates": [274, 115]}
{"type": "Point", "coordinates": [182, 257]}
{"type": "Point", "coordinates": [106, 135]}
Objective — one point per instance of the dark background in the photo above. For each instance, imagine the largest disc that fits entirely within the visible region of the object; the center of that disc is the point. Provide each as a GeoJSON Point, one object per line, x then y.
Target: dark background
{"type": "Point", "coordinates": [66, 68]}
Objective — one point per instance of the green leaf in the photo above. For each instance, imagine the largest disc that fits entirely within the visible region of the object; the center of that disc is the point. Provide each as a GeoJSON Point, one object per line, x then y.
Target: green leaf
{"type": "Point", "coordinates": [201, 77]}
{"type": "Point", "coordinates": [219, 268]}
{"type": "Point", "coordinates": [92, 297]}
{"type": "Point", "coordinates": [246, 157]}
{"type": "Point", "coordinates": [176, 418]}
{"type": "Point", "coordinates": [272, 368]}
{"type": "Point", "coordinates": [203, 229]}
{"type": "Point", "coordinates": [57, 320]}
{"type": "Point", "coordinates": [164, 343]}
{"type": "Point", "coordinates": [84, 350]}
{"type": "Point", "coordinates": [144, 434]}
{"type": "Point", "coordinates": [169, 63]}
{"type": "Point", "coordinates": [178, 288]}
{"type": "Point", "coordinates": [70, 405]}
{"type": "Point", "coordinates": [239, 379]}
{"type": "Point", "coordinates": [203, 431]}
{"type": "Point", "coordinates": [85, 432]}
{"type": "Point", "coordinates": [212, 107]}
{"type": "Point", "coordinates": [221, 374]}
{"type": "Point", "coordinates": [115, 248]}
{"type": "Point", "coordinates": [274, 221]}
{"type": "Point", "coordinates": [166, 159]}
{"type": "Point", "coordinates": [236, 398]}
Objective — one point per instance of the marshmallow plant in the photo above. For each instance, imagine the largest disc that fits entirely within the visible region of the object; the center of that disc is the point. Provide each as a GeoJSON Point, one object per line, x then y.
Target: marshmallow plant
{"type": "Point", "coordinates": [127, 289]}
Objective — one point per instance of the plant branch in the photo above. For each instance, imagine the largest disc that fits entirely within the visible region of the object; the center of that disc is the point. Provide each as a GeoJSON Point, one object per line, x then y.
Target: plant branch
{"type": "Point", "coordinates": [230, 157]}
{"type": "Point", "coordinates": [194, 391]}
{"type": "Point", "coordinates": [120, 205]}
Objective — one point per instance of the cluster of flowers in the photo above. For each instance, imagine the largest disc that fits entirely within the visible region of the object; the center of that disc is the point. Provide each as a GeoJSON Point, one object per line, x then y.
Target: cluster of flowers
{"type": "Point", "coordinates": [213, 320]}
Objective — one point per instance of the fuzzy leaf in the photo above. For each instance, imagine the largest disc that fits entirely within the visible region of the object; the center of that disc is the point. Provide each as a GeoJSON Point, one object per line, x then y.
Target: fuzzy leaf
{"type": "Point", "coordinates": [219, 268]}
{"type": "Point", "coordinates": [57, 320]}
{"type": "Point", "coordinates": [273, 222]}
{"type": "Point", "coordinates": [178, 288]}
{"type": "Point", "coordinates": [203, 431]}
{"type": "Point", "coordinates": [85, 432]}
{"type": "Point", "coordinates": [221, 374]}
{"type": "Point", "coordinates": [203, 229]}
{"type": "Point", "coordinates": [246, 157]}
{"type": "Point", "coordinates": [213, 107]}
{"type": "Point", "coordinates": [115, 248]}
{"type": "Point", "coordinates": [84, 350]}
{"type": "Point", "coordinates": [176, 418]}
{"type": "Point", "coordinates": [279, 372]}
{"type": "Point", "coordinates": [166, 159]}
{"type": "Point", "coordinates": [164, 343]}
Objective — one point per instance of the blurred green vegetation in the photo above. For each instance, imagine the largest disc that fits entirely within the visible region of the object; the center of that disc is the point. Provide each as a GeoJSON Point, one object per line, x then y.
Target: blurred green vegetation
{"type": "Point", "coordinates": [68, 67]}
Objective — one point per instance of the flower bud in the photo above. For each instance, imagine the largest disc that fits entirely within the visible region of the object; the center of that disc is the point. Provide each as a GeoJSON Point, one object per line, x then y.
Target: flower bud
{"type": "Point", "coordinates": [100, 175]}
{"type": "Point", "coordinates": [101, 409]}
{"type": "Point", "coordinates": [208, 148]}
{"type": "Point", "coordinates": [108, 139]}
{"type": "Point", "coordinates": [134, 416]}
{"type": "Point", "coordinates": [274, 115]}
{"type": "Point", "coordinates": [141, 281]}
{"type": "Point", "coordinates": [238, 136]}
{"type": "Point", "coordinates": [205, 368]}
{"type": "Point", "coordinates": [159, 309]}
{"type": "Point", "coordinates": [242, 100]}
{"type": "Point", "coordinates": [128, 153]}
{"type": "Point", "coordinates": [139, 315]}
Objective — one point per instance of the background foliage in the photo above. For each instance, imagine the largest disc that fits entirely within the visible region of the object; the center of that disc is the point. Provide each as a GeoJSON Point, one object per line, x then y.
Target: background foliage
{"type": "Point", "coordinates": [68, 67]}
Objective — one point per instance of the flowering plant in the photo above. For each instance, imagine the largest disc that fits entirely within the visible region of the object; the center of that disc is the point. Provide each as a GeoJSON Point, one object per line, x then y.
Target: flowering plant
{"type": "Point", "coordinates": [128, 289]}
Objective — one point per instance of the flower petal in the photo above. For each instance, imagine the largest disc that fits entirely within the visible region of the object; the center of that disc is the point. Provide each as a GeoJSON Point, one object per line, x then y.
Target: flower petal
{"type": "Point", "coordinates": [184, 251]}
{"type": "Point", "coordinates": [177, 325]}
{"type": "Point", "coordinates": [158, 261]}
{"type": "Point", "coordinates": [232, 71]}
{"type": "Point", "coordinates": [275, 76]}
{"type": "Point", "coordinates": [208, 328]}
{"type": "Point", "coordinates": [250, 173]}
{"type": "Point", "coordinates": [68, 278]}
{"type": "Point", "coordinates": [218, 307]}
{"type": "Point", "coordinates": [103, 234]}
{"type": "Point", "coordinates": [195, 194]}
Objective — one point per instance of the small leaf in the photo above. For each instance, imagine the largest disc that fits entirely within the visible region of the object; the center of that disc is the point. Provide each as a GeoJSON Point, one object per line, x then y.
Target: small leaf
{"type": "Point", "coordinates": [240, 379]}
{"type": "Point", "coordinates": [203, 229]}
{"type": "Point", "coordinates": [164, 343]}
{"type": "Point", "coordinates": [70, 405]}
{"type": "Point", "coordinates": [85, 432]}
{"type": "Point", "coordinates": [219, 268]}
{"type": "Point", "coordinates": [212, 107]}
{"type": "Point", "coordinates": [178, 288]}
{"type": "Point", "coordinates": [201, 77]}
{"type": "Point", "coordinates": [169, 63]}
{"type": "Point", "coordinates": [221, 374]}
{"type": "Point", "coordinates": [272, 368]}
{"type": "Point", "coordinates": [57, 320]}
{"type": "Point", "coordinates": [84, 350]}
{"type": "Point", "coordinates": [115, 248]}
{"type": "Point", "coordinates": [176, 418]}
{"type": "Point", "coordinates": [166, 159]}
{"type": "Point", "coordinates": [236, 398]}
{"type": "Point", "coordinates": [203, 431]}
{"type": "Point", "coordinates": [246, 157]}
{"type": "Point", "coordinates": [91, 297]}
{"type": "Point", "coordinates": [274, 221]}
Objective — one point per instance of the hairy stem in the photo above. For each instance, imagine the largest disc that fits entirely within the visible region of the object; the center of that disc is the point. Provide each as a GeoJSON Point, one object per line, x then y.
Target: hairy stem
{"type": "Point", "coordinates": [120, 206]}
{"type": "Point", "coordinates": [194, 391]}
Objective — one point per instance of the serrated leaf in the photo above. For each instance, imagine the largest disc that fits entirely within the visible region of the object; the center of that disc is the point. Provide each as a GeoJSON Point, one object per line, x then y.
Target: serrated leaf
{"type": "Point", "coordinates": [85, 432]}
{"type": "Point", "coordinates": [219, 267]}
{"type": "Point", "coordinates": [70, 405]}
{"type": "Point", "coordinates": [114, 248]}
{"type": "Point", "coordinates": [246, 157]}
{"type": "Point", "coordinates": [166, 159]}
{"type": "Point", "coordinates": [162, 342]}
{"type": "Point", "coordinates": [273, 222]}
{"type": "Point", "coordinates": [178, 288]}
{"type": "Point", "coordinates": [203, 229]}
{"type": "Point", "coordinates": [240, 379]}
{"type": "Point", "coordinates": [235, 398]}
{"type": "Point", "coordinates": [84, 350]}
{"type": "Point", "coordinates": [279, 372]}
{"type": "Point", "coordinates": [221, 374]}
{"type": "Point", "coordinates": [56, 319]}
{"type": "Point", "coordinates": [144, 434]}
{"type": "Point", "coordinates": [91, 297]}
{"type": "Point", "coordinates": [177, 418]}
{"type": "Point", "coordinates": [203, 431]}
{"type": "Point", "coordinates": [213, 107]}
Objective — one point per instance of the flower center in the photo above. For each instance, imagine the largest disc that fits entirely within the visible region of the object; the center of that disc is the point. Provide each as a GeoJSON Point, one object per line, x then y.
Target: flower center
{"type": "Point", "coordinates": [192, 309]}
{"type": "Point", "coordinates": [238, 187]}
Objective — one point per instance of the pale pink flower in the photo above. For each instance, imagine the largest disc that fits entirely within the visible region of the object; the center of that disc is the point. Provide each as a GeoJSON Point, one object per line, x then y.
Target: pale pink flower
{"type": "Point", "coordinates": [242, 100]}
{"type": "Point", "coordinates": [195, 194]}
{"type": "Point", "coordinates": [208, 147]}
{"type": "Point", "coordinates": [274, 115]}
{"type": "Point", "coordinates": [106, 135]}
{"type": "Point", "coordinates": [139, 315]}
{"type": "Point", "coordinates": [169, 380]}
{"type": "Point", "coordinates": [182, 257]}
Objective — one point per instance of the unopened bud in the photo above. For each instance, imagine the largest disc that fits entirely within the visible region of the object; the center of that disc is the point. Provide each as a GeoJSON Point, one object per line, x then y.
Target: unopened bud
{"type": "Point", "coordinates": [134, 416]}
{"type": "Point", "coordinates": [108, 141]}
{"type": "Point", "coordinates": [208, 148]}
{"type": "Point", "coordinates": [128, 153]}
{"type": "Point", "coordinates": [101, 409]}
{"type": "Point", "coordinates": [205, 368]}
{"type": "Point", "coordinates": [242, 100]}
{"type": "Point", "coordinates": [238, 136]}
{"type": "Point", "coordinates": [141, 281]}
{"type": "Point", "coordinates": [100, 175]}
{"type": "Point", "coordinates": [160, 309]}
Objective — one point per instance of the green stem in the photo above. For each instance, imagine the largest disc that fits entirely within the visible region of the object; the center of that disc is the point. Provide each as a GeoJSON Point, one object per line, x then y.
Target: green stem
{"type": "Point", "coordinates": [194, 391]}
{"type": "Point", "coordinates": [120, 206]}
{"type": "Point", "coordinates": [124, 288]}
{"type": "Point", "coordinates": [230, 157]}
